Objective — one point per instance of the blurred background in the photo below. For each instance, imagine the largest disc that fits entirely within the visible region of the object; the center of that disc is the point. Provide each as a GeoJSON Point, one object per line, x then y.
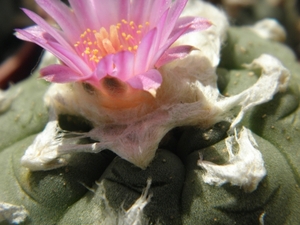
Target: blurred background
{"type": "Point", "coordinates": [18, 59]}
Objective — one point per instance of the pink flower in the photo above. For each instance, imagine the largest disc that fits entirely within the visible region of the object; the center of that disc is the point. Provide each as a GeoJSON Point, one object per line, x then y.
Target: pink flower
{"type": "Point", "coordinates": [127, 40]}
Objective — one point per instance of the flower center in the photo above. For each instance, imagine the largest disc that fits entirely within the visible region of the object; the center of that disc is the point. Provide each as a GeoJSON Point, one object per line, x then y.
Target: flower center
{"type": "Point", "coordinates": [125, 36]}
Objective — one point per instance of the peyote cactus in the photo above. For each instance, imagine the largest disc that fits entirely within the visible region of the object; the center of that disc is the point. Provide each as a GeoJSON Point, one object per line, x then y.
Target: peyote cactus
{"type": "Point", "coordinates": [103, 188]}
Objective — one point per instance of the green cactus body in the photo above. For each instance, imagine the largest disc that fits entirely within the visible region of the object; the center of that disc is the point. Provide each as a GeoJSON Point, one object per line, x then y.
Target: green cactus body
{"type": "Point", "coordinates": [69, 195]}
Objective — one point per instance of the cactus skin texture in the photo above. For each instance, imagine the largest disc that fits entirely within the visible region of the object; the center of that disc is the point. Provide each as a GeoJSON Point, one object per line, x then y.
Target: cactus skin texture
{"type": "Point", "coordinates": [70, 195]}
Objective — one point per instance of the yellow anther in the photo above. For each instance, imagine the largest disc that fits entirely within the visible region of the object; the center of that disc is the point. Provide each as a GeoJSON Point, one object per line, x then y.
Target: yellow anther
{"type": "Point", "coordinates": [88, 30]}
{"type": "Point", "coordinates": [131, 23]}
{"type": "Point", "coordinates": [138, 31]}
{"type": "Point", "coordinates": [135, 47]}
{"type": "Point", "coordinates": [90, 43]}
{"type": "Point", "coordinates": [95, 51]}
{"type": "Point", "coordinates": [132, 27]}
{"type": "Point", "coordinates": [87, 51]}
{"type": "Point", "coordinates": [128, 37]}
{"type": "Point", "coordinates": [123, 34]}
{"type": "Point", "coordinates": [140, 26]}
{"type": "Point", "coordinates": [94, 58]}
{"type": "Point", "coordinates": [147, 23]}
{"type": "Point", "coordinates": [129, 48]}
{"type": "Point", "coordinates": [82, 35]}
{"type": "Point", "coordinates": [124, 21]}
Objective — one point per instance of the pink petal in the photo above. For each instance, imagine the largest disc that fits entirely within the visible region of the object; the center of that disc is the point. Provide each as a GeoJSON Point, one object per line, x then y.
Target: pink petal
{"type": "Point", "coordinates": [119, 65]}
{"type": "Point", "coordinates": [148, 11]}
{"type": "Point", "coordinates": [86, 13]}
{"type": "Point", "coordinates": [105, 67]}
{"type": "Point", "coordinates": [140, 11]}
{"type": "Point", "coordinates": [192, 23]}
{"type": "Point", "coordinates": [59, 74]}
{"type": "Point", "coordinates": [50, 30]}
{"type": "Point", "coordinates": [143, 54]}
{"type": "Point", "coordinates": [39, 36]}
{"type": "Point", "coordinates": [111, 12]}
{"type": "Point", "coordinates": [151, 79]}
{"type": "Point", "coordinates": [124, 63]}
{"type": "Point", "coordinates": [33, 30]}
{"type": "Point", "coordinates": [64, 17]}
{"type": "Point", "coordinates": [161, 35]}
{"type": "Point", "coordinates": [187, 25]}
{"type": "Point", "coordinates": [174, 12]}
{"type": "Point", "coordinates": [158, 7]}
{"type": "Point", "coordinates": [174, 53]}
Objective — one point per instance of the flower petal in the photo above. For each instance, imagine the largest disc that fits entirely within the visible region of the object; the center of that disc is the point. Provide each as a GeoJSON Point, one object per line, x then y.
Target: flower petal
{"type": "Point", "coordinates": [143, 54]}
{"type": "Point", "coordinates": [50, 30]}
{"type": "Point", "coordinates": [148, 11]}
{"type": "Point", "coordinates": [64, 17]}
{"type": "Point", "coordinates": [105, 67]}
{"type": "Point", "coordinates": [174, 53]}
{"type": "Point", "coordinates": [123, 62]}
{"type": "Point", "coordinates": [173, 15]}
{"type": "Point", "coordinates": [148, 81]}
{"type": "Point", "coordinates": [192, 23]}
{"type": "Point", "coordinates": [39, 36]}
{"type": "Point", "coordinates": [161, 35]}
{"type": "Point", "coordinates": [59, 74]}
{"type": "Point", "coordinates": [85, 12]}
{"type": "Point", "coordinates": [112, 12]}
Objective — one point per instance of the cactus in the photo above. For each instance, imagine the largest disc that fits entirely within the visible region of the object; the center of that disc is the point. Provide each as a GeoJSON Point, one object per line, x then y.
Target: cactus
{"type": "Point", "coordinates": [102, 188]}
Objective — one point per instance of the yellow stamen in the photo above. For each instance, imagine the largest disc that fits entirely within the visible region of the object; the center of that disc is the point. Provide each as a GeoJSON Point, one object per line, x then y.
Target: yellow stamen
{"type": "Point", "coordinates": [128, 37]}
{"type": "Point", "coordinates": [94, 45]}
{"type": "Point", "coordinates": [87, 50]}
